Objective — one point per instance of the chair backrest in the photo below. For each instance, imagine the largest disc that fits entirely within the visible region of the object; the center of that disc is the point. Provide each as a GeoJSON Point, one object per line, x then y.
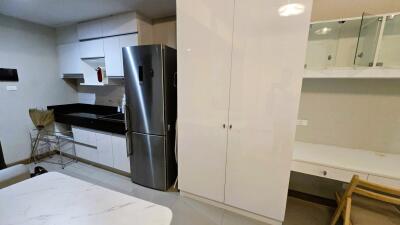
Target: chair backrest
{"type": "Point", "coordinates": [2, 161]}
{"type": "Point", "coordinates": [372, 190]}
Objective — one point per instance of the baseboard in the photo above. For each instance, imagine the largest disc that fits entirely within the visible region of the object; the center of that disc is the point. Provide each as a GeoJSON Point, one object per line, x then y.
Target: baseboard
{"type": "Point", "coordinates": [232, 209]}
{"type": "Point", "coordinates": [110, 169]}
{"type": "Point", "coordinates": [56, 152]}
{"type": "Point", "coordinates": [28, 160]}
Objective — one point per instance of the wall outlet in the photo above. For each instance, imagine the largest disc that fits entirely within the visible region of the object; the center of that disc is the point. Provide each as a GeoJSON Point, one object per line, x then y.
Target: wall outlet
{"type": "Point", "coordinates": [302, 123]}
{"type": "Point", "coordinates": [11, 88]}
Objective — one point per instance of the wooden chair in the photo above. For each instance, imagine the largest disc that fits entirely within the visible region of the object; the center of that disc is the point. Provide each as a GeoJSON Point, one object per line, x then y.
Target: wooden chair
{"type": "Point", "coordinates": [375, 204]}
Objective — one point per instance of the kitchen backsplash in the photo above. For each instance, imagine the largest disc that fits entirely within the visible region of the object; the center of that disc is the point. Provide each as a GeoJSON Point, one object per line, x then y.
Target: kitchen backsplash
{"type": "Point", "coordinates": [104, 95]}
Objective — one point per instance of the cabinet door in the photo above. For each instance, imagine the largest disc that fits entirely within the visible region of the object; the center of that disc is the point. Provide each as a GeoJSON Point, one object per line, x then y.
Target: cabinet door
{"type": "Point", "coordinates": [87, 137]}
{"type": "Point", "coordinates": [89, 30]}
{"type": "Point", "coordinates": [113, 53]}
{"type": "Point", "coordinates": [69, 59]}
{"type": "Point", "coordinates": [92, 49]}
{"type": "Point", "coordinates": [126, 41]}
{"type": "Point", "coordinates": [267, 66]}
{"type": "Point", "coordinates": [88, 153]}
{"type": "Point", "coordinates": [119, 24]}
{"type": "Point", "coordinates": [204, 60]}
{"type": "Point", "coordinates": [121, 160]}
{"type": "Point", "coordinates": [113, 58]}
{"type": "Point", "coordinates": [84, 135]}
{"type": "Point", "coordinates": [104, 148]}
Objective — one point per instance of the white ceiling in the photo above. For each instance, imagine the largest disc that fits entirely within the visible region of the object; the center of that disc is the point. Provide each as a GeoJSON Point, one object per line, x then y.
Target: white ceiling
{"type": "Point", "coordinates": [62, 12]}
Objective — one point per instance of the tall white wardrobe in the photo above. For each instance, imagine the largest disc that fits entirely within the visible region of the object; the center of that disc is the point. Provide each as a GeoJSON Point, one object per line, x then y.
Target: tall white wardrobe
{"type": "Point", "coordinates": [240, 68]}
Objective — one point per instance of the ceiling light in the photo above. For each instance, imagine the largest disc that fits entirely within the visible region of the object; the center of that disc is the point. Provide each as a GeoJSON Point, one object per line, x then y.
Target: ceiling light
{"type": "Point", "coordinates": [291, 9]}
{"type": "Point", "coordinates": [323, 31]}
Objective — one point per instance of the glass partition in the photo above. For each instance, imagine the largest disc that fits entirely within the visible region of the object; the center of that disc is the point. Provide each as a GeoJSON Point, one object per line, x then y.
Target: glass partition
{"type": "Point", "coordinates": [332, 44]}
{"type": "Point", "coordinates": [322, 44]}
{"type": "Point", "coordinates": [367, 40]}
{"type": "Point", "coordinates": [389, 52]}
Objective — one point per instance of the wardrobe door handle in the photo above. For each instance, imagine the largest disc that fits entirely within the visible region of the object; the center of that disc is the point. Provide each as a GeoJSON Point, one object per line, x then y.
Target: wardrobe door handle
{"type": "Point", "coordinates": [223, 126]}
{"type": "Point", "coordinates": [230, 126]}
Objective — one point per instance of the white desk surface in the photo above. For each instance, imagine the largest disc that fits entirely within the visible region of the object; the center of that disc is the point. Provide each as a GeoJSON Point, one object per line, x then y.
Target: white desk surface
{"type": "Point", "coordinates": [57, 199]}
{"type": "Point", "coordinates": [374, 163]}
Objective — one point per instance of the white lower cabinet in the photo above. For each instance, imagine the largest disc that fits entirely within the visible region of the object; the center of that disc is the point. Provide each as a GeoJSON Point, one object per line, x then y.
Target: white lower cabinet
{"type": "Point", "coordinates": [88, 153]}
{"type": "Point", "coordinates": [105, 149]}
{"type": "Point", "coordinates": [121, 159]}
{"type": "Point", "coordinates": [102, 147]}
{"type": "Point", "coordinates": [238, 106]}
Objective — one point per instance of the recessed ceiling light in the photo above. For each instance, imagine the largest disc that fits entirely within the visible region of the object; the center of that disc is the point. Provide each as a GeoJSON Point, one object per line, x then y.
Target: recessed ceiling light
{"type": "Point", "coordinates": [291, 9]}
{"type": "Point", "coordinates": [323, 31]}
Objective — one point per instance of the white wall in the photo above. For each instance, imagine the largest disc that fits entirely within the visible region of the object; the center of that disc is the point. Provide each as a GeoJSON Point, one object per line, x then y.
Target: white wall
{"type": "Point", "coordinates": [334, 9]}
{"type": "Point", "coordinates": [31, 49]}
{"type": "Point", "coordinates": [164, 32]}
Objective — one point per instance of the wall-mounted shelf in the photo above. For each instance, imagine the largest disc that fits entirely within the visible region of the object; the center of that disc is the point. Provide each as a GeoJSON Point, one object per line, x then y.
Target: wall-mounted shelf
{"type": "Point", "coordinates": [353, 73]}
{"type": "Point", "coordinates": [346, 45]}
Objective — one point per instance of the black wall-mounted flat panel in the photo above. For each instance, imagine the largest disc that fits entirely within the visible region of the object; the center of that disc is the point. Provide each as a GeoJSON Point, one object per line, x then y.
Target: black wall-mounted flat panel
{"type": "Point", "coordinates": [8, 74]}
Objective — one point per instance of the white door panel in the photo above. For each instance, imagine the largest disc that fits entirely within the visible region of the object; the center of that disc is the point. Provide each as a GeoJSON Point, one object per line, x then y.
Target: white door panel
{"type": "Point", "coordinates": [92, 49]}
{"type": "Point", "coordinates": [69, 59]}
{"type": "Point", "coordinates": [88, 153]}
{"type": "Point", "coordinates": [267, 66]}
{"type": "Point", "coordinates": [121, 160]}
{"type": "Point", "coordinates": [126, 41]}
{"type": "Point", "coordinates": [90, 29]}
{"type": "Point", "coordinates": [104, 149]}
{"type": "Point", "coordinates": [204, 53]}
{"type": "Point", "coordinates": [119, 24]}
{"type": "Point", "coordinates": [112, 56]}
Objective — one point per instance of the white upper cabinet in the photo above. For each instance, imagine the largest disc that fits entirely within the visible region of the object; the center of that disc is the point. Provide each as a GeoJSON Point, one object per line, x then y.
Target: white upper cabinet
{"type": "Point", "coordinates": [91, 29]}
{"type": "Point", "coordinates": [120, 24]}
{"type": "Point", "coordinates": [69, 59]}
{"type": "Point", "coordinates": [91, 49]}
{"type": "Point", "coordinates": [112, 56]}
{"type": "Point", "coordinates": [267, 66]}
{"type": "Point", "coordinates": [204, 54]}
{"type": "Point", "coordinates": [110, 26]}
{"type": "Point", "coordinates": [113, 53]}
{"type": "Point", "coordinates": [83, 47]}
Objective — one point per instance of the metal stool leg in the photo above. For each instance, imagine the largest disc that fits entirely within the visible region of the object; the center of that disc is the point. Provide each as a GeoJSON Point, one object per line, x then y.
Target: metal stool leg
{"type": "Point", "coordinates": [60, 150]}
{"type": "Point", "coordinates": [34, 149]}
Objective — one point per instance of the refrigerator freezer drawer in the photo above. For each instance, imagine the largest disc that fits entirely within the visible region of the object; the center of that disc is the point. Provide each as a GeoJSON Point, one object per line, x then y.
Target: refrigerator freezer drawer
{"type": "Point", "coordinates": [149, 161]}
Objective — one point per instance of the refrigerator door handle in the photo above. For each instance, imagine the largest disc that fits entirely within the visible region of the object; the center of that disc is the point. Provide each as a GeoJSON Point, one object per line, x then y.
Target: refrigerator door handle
{"type": "Point", "coordinates": [127, 132]}
{"type": "Point", "coordinates": [128, 143]}
{"type": "Point", "coordinates": [126, 115]}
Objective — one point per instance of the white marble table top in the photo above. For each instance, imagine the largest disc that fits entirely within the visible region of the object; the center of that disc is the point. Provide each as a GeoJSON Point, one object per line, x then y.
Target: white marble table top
{"type": "Point", "coordinates": [57, 199]}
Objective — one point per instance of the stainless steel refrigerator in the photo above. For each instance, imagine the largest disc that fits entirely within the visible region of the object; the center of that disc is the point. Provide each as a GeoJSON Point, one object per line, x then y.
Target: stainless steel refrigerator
{"type": "Point", "coordinates": [150, 114]}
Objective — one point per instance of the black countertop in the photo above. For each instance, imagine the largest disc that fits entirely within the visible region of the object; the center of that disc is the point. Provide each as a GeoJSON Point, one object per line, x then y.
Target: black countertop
{"type": "Point", "coordinates": [98, 117]}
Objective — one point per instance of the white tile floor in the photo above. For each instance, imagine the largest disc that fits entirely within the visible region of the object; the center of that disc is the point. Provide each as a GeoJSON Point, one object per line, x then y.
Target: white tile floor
{"type": "Point", "coordinates": [185, 211]}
